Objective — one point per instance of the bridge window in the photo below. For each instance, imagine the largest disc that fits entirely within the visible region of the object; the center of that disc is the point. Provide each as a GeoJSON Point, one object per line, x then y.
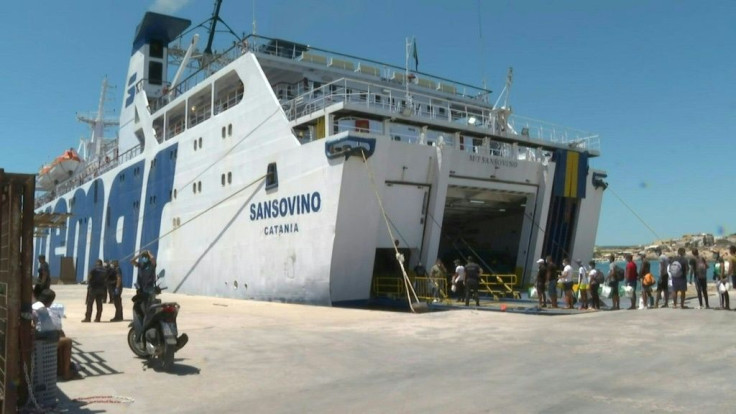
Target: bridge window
{"type": "Point", "coordinates": [155, 73]}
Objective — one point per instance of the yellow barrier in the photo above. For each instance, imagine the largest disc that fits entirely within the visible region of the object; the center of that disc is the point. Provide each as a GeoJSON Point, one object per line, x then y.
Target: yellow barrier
{"type": "Point", "coordinates": [499, 285]}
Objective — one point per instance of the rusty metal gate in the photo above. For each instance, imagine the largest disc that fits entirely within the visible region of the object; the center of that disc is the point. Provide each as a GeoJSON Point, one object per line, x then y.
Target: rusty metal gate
{"type": "Point", "coordinates": [16, 263]}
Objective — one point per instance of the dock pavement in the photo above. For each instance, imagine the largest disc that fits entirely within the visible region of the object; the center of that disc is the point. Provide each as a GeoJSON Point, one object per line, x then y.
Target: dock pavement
{"type": "Point", "coordinates": [260, 357]}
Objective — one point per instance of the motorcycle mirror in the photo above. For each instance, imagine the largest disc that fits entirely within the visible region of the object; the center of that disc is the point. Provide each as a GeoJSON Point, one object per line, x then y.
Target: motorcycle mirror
{"type": "Point", "coordinates": [161, 274]}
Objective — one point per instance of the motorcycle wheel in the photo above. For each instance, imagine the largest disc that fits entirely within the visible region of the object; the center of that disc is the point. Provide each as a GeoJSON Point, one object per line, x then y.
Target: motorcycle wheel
{"type": "Point", "coordinates": [167, 356]}
{"type": "Point", "coordinates": [138, 348]}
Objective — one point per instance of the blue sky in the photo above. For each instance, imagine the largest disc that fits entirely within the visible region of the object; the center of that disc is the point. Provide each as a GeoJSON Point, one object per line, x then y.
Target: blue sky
{"type": "Point", "coordinates": [655, 79]}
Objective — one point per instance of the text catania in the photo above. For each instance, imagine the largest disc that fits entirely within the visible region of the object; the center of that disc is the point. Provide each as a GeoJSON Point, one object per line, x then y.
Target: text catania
{"type": "Point", "coordinates": [286, 206]}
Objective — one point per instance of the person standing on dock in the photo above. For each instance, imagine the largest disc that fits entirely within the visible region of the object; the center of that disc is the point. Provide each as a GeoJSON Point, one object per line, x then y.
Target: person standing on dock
{"type": "Point", "coordinates": [96, 290]}
{"type": "Point", "coordinates": [458, 280]}
{"type": "Point", "coordinates": [631, 278]}
{"type": "Point", "coordinates": [541, 283]}
{"type": "Point", "coordinates": [116, 295]}
{"type": "Point", "coordinates": [596, 278]}
{"type": "Point", "coordinates": [437, 273]}
{"type": "Point", "coordinates": [732, 265]}
{"type": "Point", "coordinates": [722, 280]}
{"type": "Point", "coordinates": [663, 282]}
{"type": "Point", "coordinates": [612, 280]}
{"type": "Point", "coordinates": [566, 278]}
{"type": "Point", "coordinates": [552, 281]}
{"type": "Point", "coordinates": [699, 272]}
{"type": "Point", "coordinates": [472, 278]}
{"type": "Point", "coordinates": [583, 283]}
{"type": "Point", "coordinates": [678, 273]}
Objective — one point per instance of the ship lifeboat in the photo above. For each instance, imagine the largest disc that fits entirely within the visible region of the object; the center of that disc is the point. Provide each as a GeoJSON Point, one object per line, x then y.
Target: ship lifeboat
{"type": "Point", "coordinates": [60, 170]}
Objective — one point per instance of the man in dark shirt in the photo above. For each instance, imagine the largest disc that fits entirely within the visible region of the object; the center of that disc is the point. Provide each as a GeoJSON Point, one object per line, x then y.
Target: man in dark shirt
{"type": "Point", "coordinates": [146, 264]}
{"type": "Point", "coordinates": [552, 281]}
{"type": "Point", "coordinates": [96, 290]}
{"type": "Point", "coordinates": [472, 277]}
{"type": "Point", "coordinates": [117, 290]}
{"type": "Point", "coordinates": [542, 283]}
{"type": "Point", "coordinates": [44, 276]}
{"type": "Point", "coordinates": [631, 278]}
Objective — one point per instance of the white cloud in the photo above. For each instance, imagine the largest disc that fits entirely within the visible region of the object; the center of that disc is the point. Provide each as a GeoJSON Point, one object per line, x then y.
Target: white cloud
{"type": "Point", "coordinates": [168, 6]}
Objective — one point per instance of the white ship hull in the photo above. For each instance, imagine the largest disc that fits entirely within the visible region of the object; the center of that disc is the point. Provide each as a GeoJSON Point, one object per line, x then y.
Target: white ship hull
{"type": "Point", "coordinates": [198, 197]}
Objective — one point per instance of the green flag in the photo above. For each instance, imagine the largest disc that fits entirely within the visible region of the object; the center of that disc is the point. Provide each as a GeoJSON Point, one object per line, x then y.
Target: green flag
{"type": "Point", "coordinates": [415, 55]}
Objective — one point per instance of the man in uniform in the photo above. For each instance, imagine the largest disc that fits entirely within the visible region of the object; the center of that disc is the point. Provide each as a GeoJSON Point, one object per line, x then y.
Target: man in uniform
{"type": "Point", "coordinates": [117, 291]}
{"type": "Point", "coordinates": [96, 290]}
{"type": "Point", "coordinates": [472, 278]}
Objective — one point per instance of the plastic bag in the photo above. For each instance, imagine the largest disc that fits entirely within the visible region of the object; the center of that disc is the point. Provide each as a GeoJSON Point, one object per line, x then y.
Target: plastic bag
{"type": "Point", "coordinates": [533, 294]}
{"type": "Point", "coordinates": [628, 291]}
{"type": "Point", "coordinates": [723, 287]}
{"type": "Point", "coordinates": [454, 288]}
{"type": "Point", "coordinates": [606, 291]}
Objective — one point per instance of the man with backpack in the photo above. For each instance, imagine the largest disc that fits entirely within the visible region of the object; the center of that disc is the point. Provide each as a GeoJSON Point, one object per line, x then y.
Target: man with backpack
{"type": "Point", "coordinates": [699, 271]}
{"type": "Point", "coordinates": [678, 273]}
{"type": "Point", "coordinates": [472, 279]}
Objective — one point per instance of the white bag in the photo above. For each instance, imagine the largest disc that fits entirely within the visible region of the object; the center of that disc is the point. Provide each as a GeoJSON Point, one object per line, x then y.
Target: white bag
{"type": "Point", "coordinates": [629, 291]}
{"type": "Point", "coordinates": [723, 287]}
{"type": "Point", "coordinates": [641, 302]}
{"type": "Point", "coordinates": [454, 288]}
{"type": "Point", "coordinates": [533, 294]}
{"type": "Point", "coordinates": [606, 291]}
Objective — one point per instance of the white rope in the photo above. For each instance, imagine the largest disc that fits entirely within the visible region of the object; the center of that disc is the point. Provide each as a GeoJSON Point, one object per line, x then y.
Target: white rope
{"type": "Point", "coordinates": [399, 256]}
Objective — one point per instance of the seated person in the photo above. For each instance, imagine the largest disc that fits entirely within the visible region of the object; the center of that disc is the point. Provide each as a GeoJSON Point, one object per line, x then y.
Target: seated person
{"type": "Point", "coordinates": [48, 327]}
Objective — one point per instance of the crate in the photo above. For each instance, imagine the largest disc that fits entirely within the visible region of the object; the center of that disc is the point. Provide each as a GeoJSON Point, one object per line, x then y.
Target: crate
{"type": "Point", "coordinates": [44, 372]}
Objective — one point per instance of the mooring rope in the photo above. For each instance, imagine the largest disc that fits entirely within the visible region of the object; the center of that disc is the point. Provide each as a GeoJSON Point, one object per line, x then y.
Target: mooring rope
{"type": "Point", "coordinates": [399, 256]}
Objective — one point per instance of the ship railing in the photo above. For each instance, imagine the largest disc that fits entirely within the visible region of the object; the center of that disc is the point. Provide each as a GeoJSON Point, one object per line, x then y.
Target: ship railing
{"type": "Point", "coordinates": [364, 67]}
{"type": "Point", "coordinates": [513, 151]}
{"type": "Point", "coordinates": [483, 119]}
{"type": "Point", "coordinates": [91, 170]}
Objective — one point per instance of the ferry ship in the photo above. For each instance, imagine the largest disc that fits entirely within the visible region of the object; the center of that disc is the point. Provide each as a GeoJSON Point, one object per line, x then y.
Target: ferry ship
{"type": "Point", "coordinates": [279, 171]}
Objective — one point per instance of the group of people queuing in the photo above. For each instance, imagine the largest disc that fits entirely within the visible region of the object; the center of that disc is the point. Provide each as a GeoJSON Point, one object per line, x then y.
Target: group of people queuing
{"type": "Point", "coordinates": [675, 273]}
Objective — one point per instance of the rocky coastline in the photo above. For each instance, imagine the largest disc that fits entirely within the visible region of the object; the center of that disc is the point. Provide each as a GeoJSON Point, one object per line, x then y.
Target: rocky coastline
{"type": "Point", "coordinates": [706, 243]}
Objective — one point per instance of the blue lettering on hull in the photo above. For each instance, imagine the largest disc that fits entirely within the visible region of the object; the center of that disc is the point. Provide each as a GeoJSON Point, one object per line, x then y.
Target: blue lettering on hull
{"type": "Point", "coordinates": [125, 196]}
{"type": "Point", "coordinates": [158, 194]}
{"type": "Point", "coordinates": [89, 208]}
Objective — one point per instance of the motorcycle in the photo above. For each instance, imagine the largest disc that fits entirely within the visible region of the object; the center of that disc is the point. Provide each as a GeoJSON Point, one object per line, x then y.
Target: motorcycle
{"type": "Point", "coordinates": [153, 333]}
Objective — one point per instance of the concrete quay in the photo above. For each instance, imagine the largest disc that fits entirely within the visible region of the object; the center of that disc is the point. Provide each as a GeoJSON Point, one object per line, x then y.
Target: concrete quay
{"type": "Point", "coordinates": [258, 357]}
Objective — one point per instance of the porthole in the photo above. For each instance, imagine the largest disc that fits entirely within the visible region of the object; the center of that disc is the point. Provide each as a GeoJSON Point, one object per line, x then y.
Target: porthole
{"type": "Point", "coordinates": [200, 142]}
{"type": "Point", "coordinates": [222, 180]}
{"type": "Point", "coordinates": [199, 186]}
{"type": "Point", "coordinates": [230, 130]}
{"type": "Point", "coordinates": [229, 178]}
{"type": "Point", "coordinates": [223, 132]}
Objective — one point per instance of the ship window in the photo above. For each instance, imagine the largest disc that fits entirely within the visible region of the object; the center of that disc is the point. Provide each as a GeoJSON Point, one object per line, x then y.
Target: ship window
{"type": "Point", "coordinates": [272, 176]}
{"type": "Point", "coordinates": [229, 178]}
{"type": "Point", "coordinates": [223, 132]}
{"type": "Point", "coordinates": [175, 194]}
{"type": "Point", "coordinates": [155, 73]}
{"type": "Point", "coordinates": [156, 49]}
{"type": "Point", "coordinates": [200, 142]}
{"type": "Point", "coordinates": [195, 145]}
{"type": "Point", "coordinates": [229, 130]}
{"type": "Point", "coordinates": [222, 179]}
{"type": "Point", "coordinates": [199, 186]}
{"type": "Point", "coordinates": [194, 188]}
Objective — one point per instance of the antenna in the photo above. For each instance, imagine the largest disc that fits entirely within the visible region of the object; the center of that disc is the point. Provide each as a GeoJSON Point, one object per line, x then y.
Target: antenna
{"type": "Point", "coordinates": [482, 49]}
{"type": "Point", "coordinates": [254, 17]}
